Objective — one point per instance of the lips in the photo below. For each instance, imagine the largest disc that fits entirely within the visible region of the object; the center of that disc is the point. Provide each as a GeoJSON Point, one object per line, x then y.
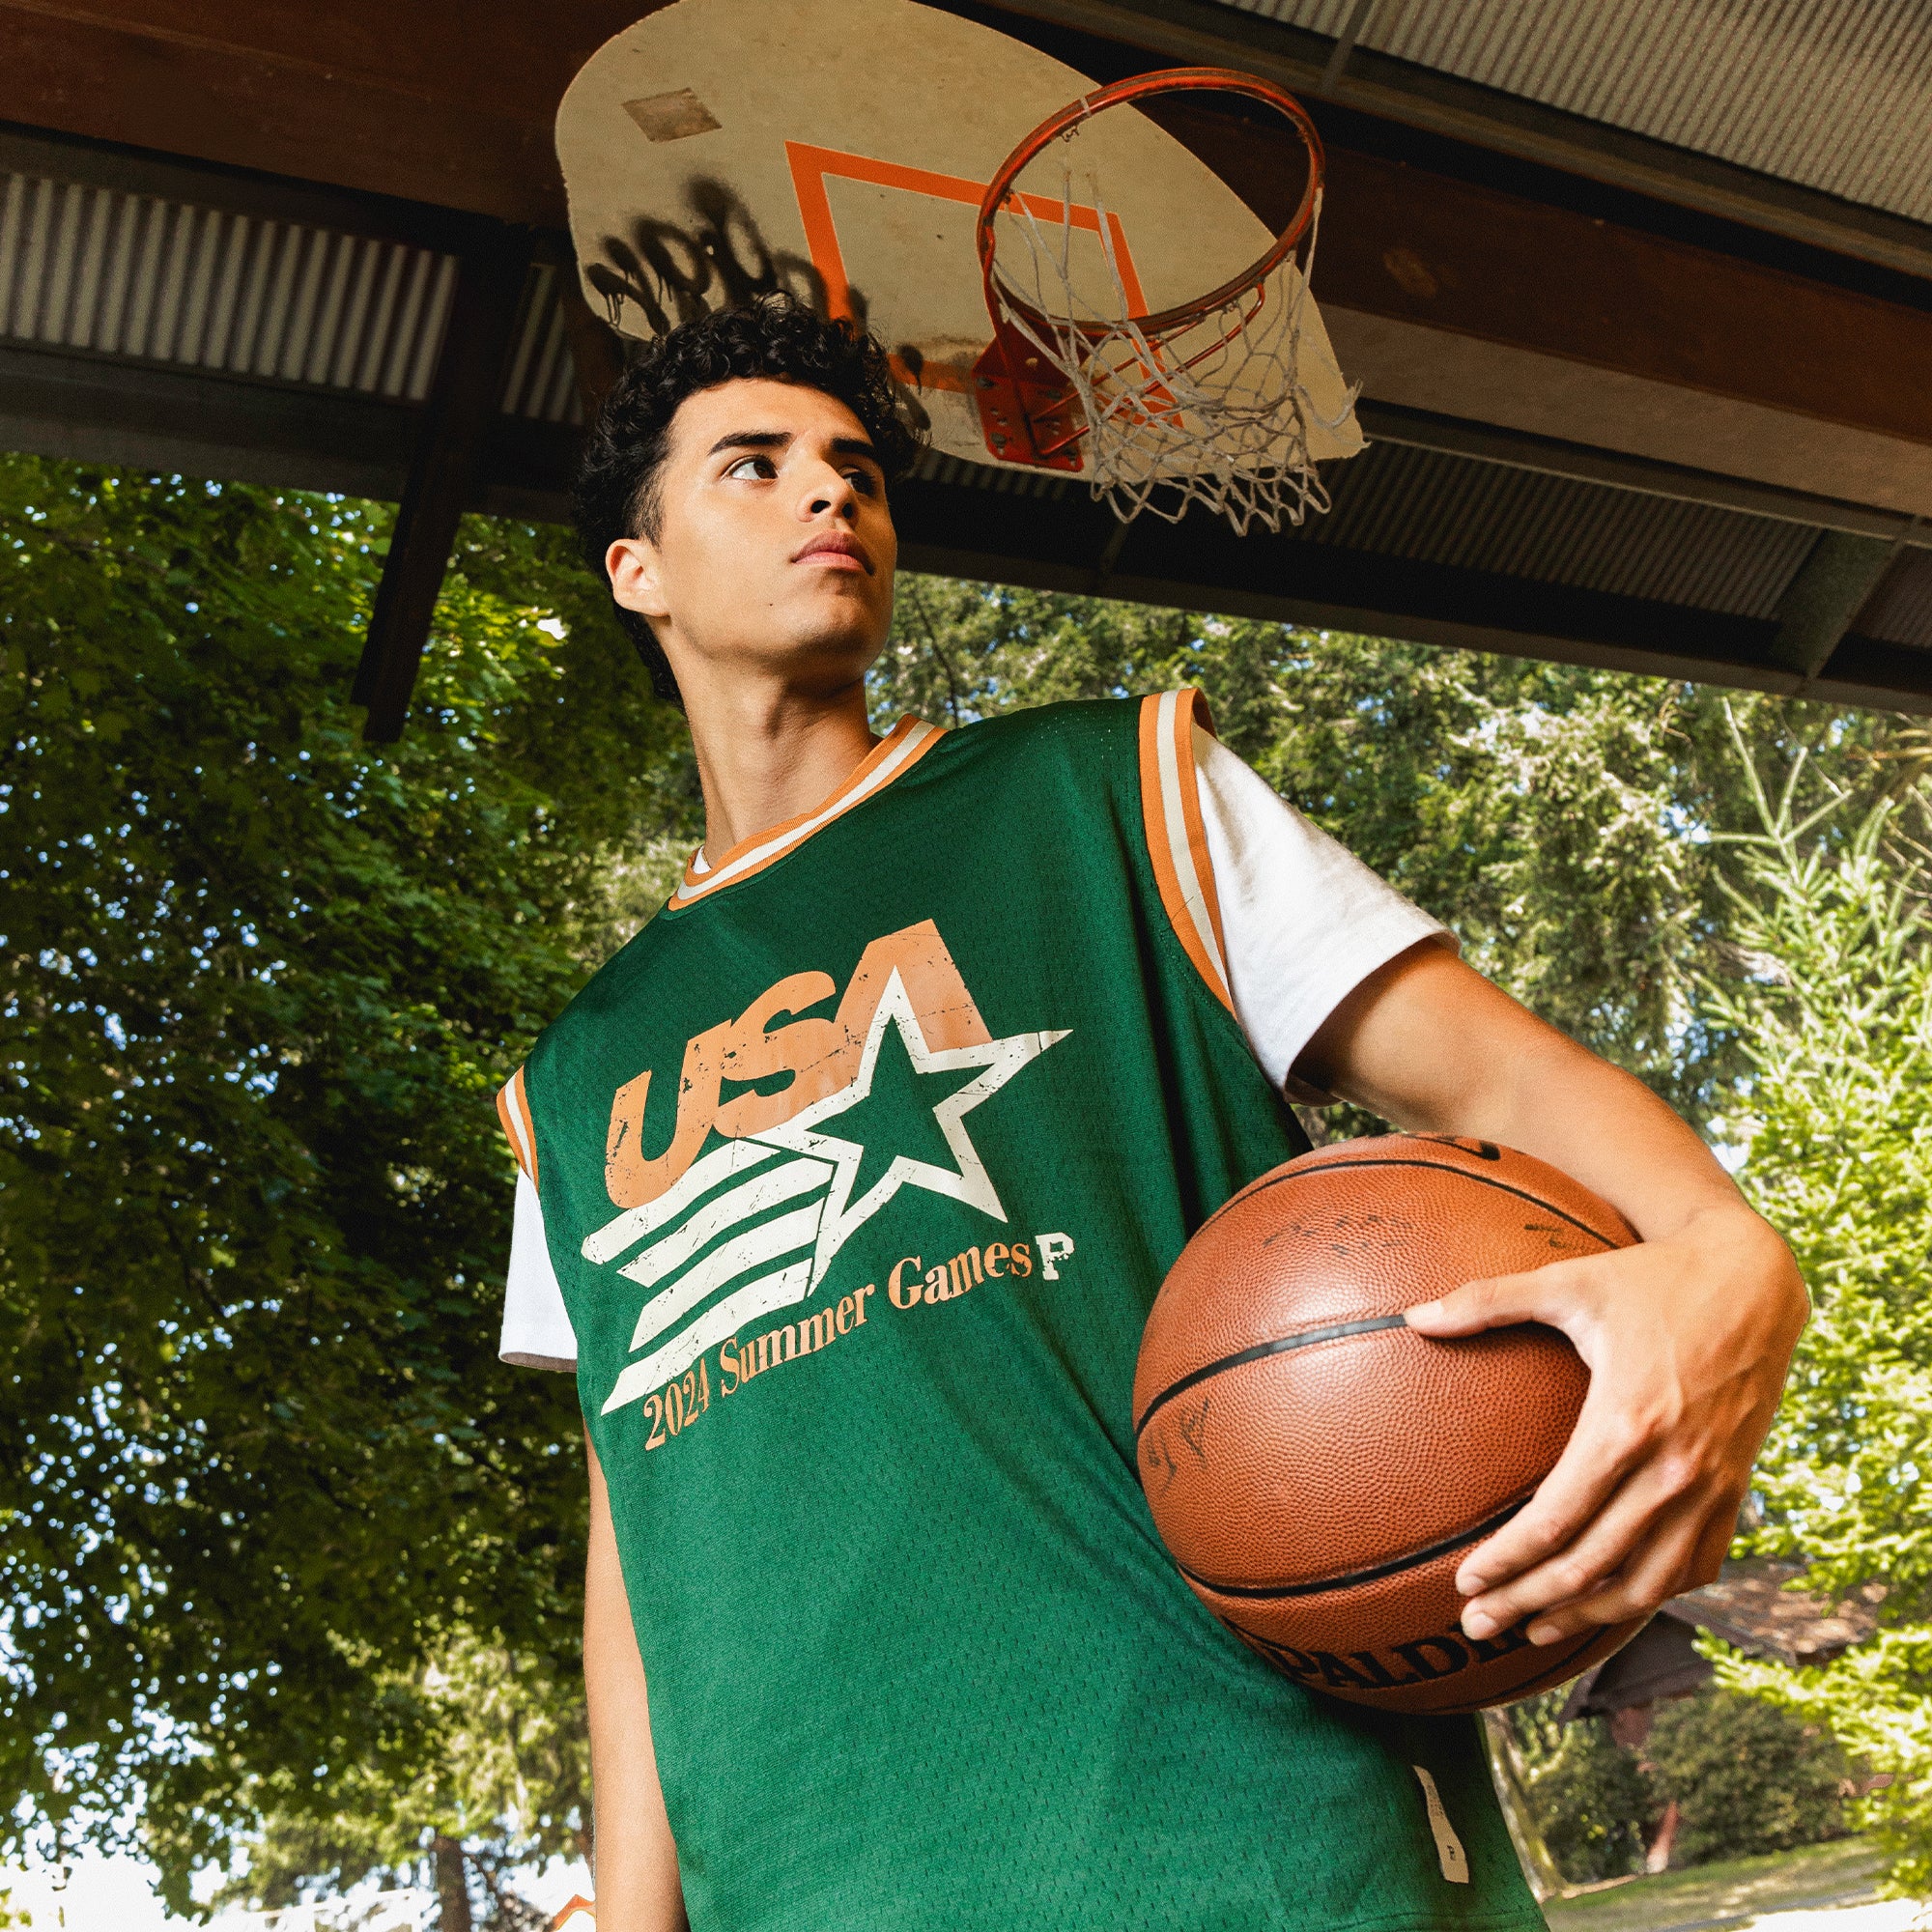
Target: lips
{"type": "Point", "coordinates": [833, 552]}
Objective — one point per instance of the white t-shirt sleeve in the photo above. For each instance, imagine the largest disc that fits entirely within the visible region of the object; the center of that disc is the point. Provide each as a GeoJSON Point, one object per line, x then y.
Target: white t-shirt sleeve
{"type": "Point", "coordinates": [1304, 920]}
{"type": "Point", "coordinates": [536, 1326]}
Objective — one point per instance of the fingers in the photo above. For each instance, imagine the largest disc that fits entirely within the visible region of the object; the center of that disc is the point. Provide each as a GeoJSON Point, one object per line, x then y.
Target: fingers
{"type": "Point", "coordinates": [1603, 1449]}
{"type": "Point", "coordinates": [1658, 1537]}
{"type": "Point", "coordinates": [1542, 1294]}
{"type": "Point", "coordinates": [1663, 1567]}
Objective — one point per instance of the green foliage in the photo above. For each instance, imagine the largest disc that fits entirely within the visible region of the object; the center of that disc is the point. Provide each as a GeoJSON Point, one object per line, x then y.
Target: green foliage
{"type": "Point", "coordinates": [1559, 819]}
{"type": "Point", "coordinates": [1749, 1777]}
{"type": "Point", "coordinates": [1836, 1014]}
{"type": "Point", "coordinates": [1593, 1805]}
{"type": "Point", "coordinates": [280, 1541]}
{"type": "Point", "coordinates": [258, 1461]}
{"type": "Point", "coordinates": [1877, 1699]}
{"type": "Point", "coordinates": [497, 1768]}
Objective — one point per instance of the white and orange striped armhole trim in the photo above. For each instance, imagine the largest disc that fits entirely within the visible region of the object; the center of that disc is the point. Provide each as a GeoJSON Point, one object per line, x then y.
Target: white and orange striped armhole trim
{"type": "Point", "coordinates": [1176, 835]}
{"type": "Point", "coordinates": [903, 747]}
{"type": "Point", "coordinates": [513, 1109]}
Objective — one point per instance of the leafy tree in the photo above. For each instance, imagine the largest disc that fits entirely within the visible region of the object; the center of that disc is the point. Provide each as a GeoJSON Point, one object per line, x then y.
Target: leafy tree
{"type": "Point", "coordinates": [1594, 1804]}
{"type": "Point", "coordinates": [1835, 1013]}
{"type": "Point", "coordinates": [258, 1463]}
{"type": "Point", "coordinates": [490, 1771]}
{"type": "Point", "coordinates": [1561, 820]}
{"type": "Point", "coordinates": [1750, 1776]}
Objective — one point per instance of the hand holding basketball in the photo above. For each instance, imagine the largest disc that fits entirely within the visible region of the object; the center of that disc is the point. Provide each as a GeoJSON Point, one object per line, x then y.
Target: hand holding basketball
{"type": "Point", "coordinates": [1686, 1337]}
{"type": "Point", "coordinates": [1645, 1500]}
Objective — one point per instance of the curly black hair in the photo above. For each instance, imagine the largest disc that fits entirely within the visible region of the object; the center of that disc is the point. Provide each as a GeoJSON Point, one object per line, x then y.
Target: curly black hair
{"type": "Point", "coordinates": [777, 335]}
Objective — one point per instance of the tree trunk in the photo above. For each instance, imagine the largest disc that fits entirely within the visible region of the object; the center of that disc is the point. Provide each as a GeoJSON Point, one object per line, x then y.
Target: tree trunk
{"type": "Point", "coordinates": [453, 1885]}
{"type": "Point", "coordinates": [1658, 1858]}
{"type": "Point", "coordinates": [1507, 1775]}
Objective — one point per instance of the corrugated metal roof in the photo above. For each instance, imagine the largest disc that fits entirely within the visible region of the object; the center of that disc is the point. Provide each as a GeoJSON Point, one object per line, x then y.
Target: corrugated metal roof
{"type": "Point", "coordinates": [542, 379]}
{"type": "Point", "coordinates": [935, 467]}
{"type": "Point", "coordinates": [143, 279]}
{"type": "Point", "coordinates": [1901, 610]}
{"type": "Point", "coordinates": [1835, 95]}
{"type": "Point", "coordinates": [137, 277]}
{"type": "Point", "coordinates": [1396, 501]}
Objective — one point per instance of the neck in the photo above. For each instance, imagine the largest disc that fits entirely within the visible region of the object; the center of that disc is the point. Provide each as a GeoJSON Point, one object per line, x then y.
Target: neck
{"type": "Point", "coordinates": [768, 755]}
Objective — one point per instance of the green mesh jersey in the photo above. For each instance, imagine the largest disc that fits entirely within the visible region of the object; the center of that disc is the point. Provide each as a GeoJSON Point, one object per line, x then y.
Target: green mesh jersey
{"type": "Point", "coordinates": [860, 1167]}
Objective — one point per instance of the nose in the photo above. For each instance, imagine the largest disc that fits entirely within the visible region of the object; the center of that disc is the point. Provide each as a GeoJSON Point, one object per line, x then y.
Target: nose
{"type": "Point", "coordinates": [828, 493]}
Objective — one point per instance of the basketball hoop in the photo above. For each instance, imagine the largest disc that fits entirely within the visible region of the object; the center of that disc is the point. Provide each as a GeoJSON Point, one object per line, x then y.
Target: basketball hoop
{"type": "Point", "coordinates": [1202, 402]}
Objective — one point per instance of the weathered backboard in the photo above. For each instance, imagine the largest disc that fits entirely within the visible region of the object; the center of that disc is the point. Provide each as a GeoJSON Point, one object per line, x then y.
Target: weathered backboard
{"type": "Point", "coordinates": [840, 149]}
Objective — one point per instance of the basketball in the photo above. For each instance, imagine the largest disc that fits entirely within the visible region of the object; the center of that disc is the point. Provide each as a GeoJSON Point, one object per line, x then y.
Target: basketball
{"type": "Point", "coordinates": [1317, 1468]}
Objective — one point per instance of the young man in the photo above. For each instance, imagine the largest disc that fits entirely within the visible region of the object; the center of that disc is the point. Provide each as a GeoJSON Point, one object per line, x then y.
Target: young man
{"type": "Point", "coordinates": [847, 1185]}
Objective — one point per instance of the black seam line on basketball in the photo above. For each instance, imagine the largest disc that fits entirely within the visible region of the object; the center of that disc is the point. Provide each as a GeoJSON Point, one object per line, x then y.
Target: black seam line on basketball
{"type": "Point", "coordinates": [1304, 1338]}
{"type": "Point", "coordinates": [1525, 1689]}
{"type": "Point", "coordinates": [1394, 1566]}
{"type": "Point", "coordinates": [1434, 1167]}
{"type": "Point", "coordinates": [1561, 1664]}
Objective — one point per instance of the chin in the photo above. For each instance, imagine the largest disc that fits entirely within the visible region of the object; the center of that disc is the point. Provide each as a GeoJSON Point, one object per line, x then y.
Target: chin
{"type": "Point", "coordinates": [826, 657]}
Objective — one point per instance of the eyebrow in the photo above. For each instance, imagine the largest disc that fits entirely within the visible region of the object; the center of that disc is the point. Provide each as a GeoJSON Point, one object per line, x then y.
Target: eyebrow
{"type": "Point", "coordinates": [779, 438]}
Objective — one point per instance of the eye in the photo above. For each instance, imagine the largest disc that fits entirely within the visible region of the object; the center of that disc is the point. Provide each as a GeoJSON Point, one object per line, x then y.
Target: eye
{"type": "Point", "coordinates": [760, 467]}
{"type": "Point", "coordinates": [864, 481]}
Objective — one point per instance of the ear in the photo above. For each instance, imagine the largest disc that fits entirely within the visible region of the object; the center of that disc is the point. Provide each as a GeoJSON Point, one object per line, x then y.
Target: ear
{"type": "Point", "coordinates": [636, 571]}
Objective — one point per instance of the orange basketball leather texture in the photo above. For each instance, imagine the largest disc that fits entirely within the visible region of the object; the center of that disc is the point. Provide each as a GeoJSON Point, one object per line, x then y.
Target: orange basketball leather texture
{"type": "Point", "coordinates": [1317, 1468]}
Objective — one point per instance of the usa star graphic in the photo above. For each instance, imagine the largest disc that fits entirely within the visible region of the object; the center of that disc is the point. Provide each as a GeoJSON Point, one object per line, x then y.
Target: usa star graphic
{"type": "Point", "coordinates": [999, 1059]}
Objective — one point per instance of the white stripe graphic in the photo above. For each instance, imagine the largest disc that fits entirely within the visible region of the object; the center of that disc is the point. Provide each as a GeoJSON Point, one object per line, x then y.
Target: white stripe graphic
{"type": "Point", "coordinates": [745, 1304]}
{"type": "Point", "coordinates": [1168, 756]}
{"type": "Point", "coordinates": [517, 1127]}
{"type": "Point", "coordinates": [701, 1178]}
{"type": "Point", "coordinates": [887, 768]}
{"type": "Point", "coordinates": [750, 1197]}
{"type": "Point", "coordinates": [765, 1243]}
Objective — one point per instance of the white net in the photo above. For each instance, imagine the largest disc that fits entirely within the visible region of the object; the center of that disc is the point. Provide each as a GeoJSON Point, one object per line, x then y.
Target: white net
{"type": "Point", "coordinates": [1214, 411]}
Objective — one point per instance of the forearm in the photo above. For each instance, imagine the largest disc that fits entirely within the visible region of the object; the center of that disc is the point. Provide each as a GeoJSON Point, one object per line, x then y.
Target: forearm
{"type": "Point", "coordinates": [636, 1859]}
{"type": "Point", "coordinates": [1601, 1126]}
{"type": "Point", "coordinates": [1494, 1073]}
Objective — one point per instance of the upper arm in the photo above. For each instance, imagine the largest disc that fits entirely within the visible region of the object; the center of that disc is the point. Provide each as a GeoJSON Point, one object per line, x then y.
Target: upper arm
{"type": "Point", "coordinates": [1281, 920]}
{"type": "Point", "coordinates": [1426, 1041]}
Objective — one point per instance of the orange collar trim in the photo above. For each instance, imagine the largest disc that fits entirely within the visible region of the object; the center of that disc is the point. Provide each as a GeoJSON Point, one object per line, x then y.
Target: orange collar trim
{"type": "Point", "coordinates": [903, 747]}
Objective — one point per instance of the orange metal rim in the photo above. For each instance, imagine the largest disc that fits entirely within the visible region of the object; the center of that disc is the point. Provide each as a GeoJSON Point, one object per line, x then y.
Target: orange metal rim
{"type": "Point", "coordinates": [1169, 80]}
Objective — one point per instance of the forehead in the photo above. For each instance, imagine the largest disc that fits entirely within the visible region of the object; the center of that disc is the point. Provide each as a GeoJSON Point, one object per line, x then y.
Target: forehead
{"type": "Point", "coordinates": [758, 406]}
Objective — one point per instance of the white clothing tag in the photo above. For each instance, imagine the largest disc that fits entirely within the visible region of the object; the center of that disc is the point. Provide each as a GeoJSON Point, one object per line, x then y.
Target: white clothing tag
{"type": "Point", "coordinates": [1449, 1852]}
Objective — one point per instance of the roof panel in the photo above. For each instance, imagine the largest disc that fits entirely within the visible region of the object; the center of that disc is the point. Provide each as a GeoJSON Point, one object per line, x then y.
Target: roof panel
{"type": "Point", "coordinates": [1900, 611]}
{"type": "Point", "coordinates": [1398, 500]}
{"type": "Point", "coordinates": [151, 280]}
{"type": "Point", "coordinates": [1835, 95]}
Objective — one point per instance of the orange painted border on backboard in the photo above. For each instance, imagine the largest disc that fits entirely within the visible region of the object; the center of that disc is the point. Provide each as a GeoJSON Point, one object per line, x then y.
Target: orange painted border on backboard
{"type": "Point", "coordinates": [811, 166]}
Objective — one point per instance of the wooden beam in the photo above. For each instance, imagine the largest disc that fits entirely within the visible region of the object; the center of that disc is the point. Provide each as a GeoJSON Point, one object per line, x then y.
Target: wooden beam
{"type": "Point", "coordinates": [1466, 258]}
{"type": "Point", "coordinates": [1198, 564]}
{"type": "Point", "coordinates": [463, 402]}
{"type": "Point", "coordinates": [86, 408]}
{"type": "Point", "coordinates": [596, 348]}
{"type": "Point", "coordinates": [1449, 255]}
{"type": "Point", "coordinates": [1832, 586]}
{"type": "Point", "coordinates": [68, 404]}
{"type": "Point", "coordinates": [434, 102]}
{"type": "Point", "coordinates": [1585, 463]}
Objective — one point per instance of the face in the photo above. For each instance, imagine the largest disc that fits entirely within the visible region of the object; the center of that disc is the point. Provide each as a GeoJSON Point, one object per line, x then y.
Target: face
{"type": "Point", "coordinates": [775, 552]}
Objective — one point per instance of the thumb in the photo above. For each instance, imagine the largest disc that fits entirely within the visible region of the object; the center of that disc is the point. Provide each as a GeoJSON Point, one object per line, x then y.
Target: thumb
{"type": "Point", "coordinates": [1493, 1303]}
